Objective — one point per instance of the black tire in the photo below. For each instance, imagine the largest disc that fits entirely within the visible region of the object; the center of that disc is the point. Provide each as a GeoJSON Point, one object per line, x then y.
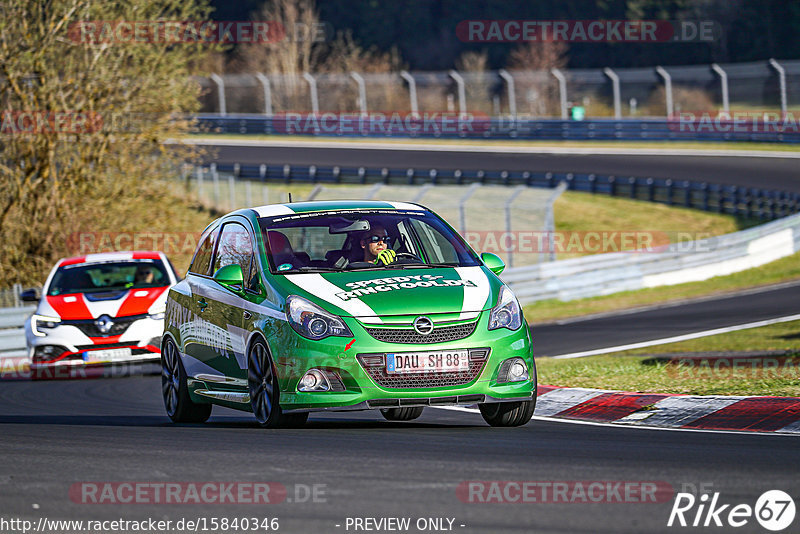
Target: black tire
{"type": "Point", "coordinates": [262, 381]}
{"type": "Point", "coordinates": [507, 413]}
{"type": "Point", "coordinates": [402, 414]}
{"type": "Point", "coordinates": [175, 391]}
{"type": "Point", "coordinates": [511, 413]}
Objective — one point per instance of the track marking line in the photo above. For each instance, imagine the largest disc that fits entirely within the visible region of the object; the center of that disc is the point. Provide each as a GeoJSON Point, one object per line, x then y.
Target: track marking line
{"type": "Point", "coordinates": [675, 339]}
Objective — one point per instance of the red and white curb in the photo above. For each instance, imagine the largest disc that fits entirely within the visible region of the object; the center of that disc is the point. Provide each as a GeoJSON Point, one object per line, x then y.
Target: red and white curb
{"type": "Point", "coordinates": [714, 412]}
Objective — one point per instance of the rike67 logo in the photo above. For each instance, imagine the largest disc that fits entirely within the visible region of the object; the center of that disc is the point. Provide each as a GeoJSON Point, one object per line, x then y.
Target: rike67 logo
{"type": "Point", "coordinates": [774, 510]}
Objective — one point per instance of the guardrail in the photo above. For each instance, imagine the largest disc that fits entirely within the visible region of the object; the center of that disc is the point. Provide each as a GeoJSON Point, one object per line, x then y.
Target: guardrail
{"type": "Point", "coordinates": [604, 274]}
{"type": "Point", "coordinates": [741, 201]}
{"type": "Point", "coordinates": [12, 333]}
{"type": "Point", "coordinates": [520, 128]}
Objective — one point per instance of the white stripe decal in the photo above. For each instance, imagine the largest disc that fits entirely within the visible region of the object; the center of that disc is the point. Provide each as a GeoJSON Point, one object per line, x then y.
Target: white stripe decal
{"type": "Point", "coordinates": [793, 428]}
{"type": "Point", "coordinates": [273, 210]}
{"type": "Point", "coordinates": [556, 401]}
{"type": "Point", "coordinates": [104, 307]}
{"type": "Point", "coordinates": [108, 256]}
{"type": "Point", "coordinates": [316, 285]}
{"type": "Point", "coordinates": [404, 206]}
{"type": "Point", "coordinates": [474, 297]}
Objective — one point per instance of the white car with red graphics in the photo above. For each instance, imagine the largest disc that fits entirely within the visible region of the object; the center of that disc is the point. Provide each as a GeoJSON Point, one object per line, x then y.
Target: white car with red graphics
{"type": "Point", "coordinates": [100, 309]}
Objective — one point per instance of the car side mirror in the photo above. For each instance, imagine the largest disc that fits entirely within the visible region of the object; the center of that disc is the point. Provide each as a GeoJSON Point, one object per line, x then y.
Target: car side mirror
{"type": "Point", "coordinates": [493, 262]}
{"type": "Point", "coordinates": [30, 295]}
{"type": "Point", "coordinates": [230, 275]}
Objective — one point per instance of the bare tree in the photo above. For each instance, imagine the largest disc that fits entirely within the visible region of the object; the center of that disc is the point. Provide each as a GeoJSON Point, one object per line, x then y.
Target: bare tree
{"type": "Point", "coordinates": [533, 63]}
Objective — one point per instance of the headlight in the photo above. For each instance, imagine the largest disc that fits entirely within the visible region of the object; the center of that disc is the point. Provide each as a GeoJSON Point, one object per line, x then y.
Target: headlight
{"type": "Point", "coordinates": [507, 313]}
{"type": "Point", "coordinates": [157, 312]}
{"type": "Point", "coordinates": [311, 321]}
{"type": "Point", "coordinates": [43, 322]}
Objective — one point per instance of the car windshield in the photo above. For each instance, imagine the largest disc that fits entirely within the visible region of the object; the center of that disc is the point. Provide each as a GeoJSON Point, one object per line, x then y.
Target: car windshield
{"type": "Point", "coordinates": [108, 276]}
{"type": "Point", "coordinates": [352, 239]}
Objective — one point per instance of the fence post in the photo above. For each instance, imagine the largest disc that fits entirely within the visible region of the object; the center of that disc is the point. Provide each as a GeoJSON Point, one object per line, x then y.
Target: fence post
{"type": "Point", "coordinates": [462, 93]}
{"type": "Point", "coordinates": [362, 92]}
{"type": "Point", "coordinates": [421, 193]}
{"type": "Point", "coordinates": [462, 215]}
{"type": "Point", "coordinates": [723, 78]}
{"type": "Point", "coordinates": [512, 94]}
{"type": "Point", "coordinates": [412, 90]}
{"type": "Point", "coordinates": [374, 191]}
{"type": "Point", "coordinates": [312, 85]}
{"type": "Point", "coordinates": [267, 93]}
{"type": "Point", "coordinates": [670, 189]}
{"type": "Point", "coordinates": [232, 191]}
{"type": "Point", "coordinates": [667, 88]}
{"type": "Point", "coordinates": [248, 191]}
{"type": "Point", "coordinates": [615, 89]}
{"type": "Point", "coordinates": [217, 79]}
{"type": "Point", "coordinates": [550, 219]}
{"type": "Point", "coordinates": [215, 179]}
{"type": "Point", "coordinates": [510, 200]}
{"type": "Point", "coordinates": [199, 173]}
{"type": "Point", "coordinates": [562, 90]}
{"type": "Point", "coordinates": [782, 81]}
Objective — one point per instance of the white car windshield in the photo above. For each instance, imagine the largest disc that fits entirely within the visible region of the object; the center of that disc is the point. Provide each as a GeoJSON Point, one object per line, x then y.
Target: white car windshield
{"type": "Point", "coordinates": [352, 239]}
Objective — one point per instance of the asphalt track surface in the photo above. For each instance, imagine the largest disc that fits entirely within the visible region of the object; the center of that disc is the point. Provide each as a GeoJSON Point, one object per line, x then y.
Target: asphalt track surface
{"type": "Point", "coordinates": [758, 172]}
{"type": "Point", "coordinates": [611, 330]}
{"type": "Point", "coordinates": [58, 434]}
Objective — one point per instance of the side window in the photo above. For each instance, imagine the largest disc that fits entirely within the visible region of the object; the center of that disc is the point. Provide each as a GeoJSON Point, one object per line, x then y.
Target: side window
{"type": "Point", "coordinates": [437, 245]}
{"type": "Point", "coordinates": [205, 251]}
{"type": "Point", "coordinates": [235, 248]}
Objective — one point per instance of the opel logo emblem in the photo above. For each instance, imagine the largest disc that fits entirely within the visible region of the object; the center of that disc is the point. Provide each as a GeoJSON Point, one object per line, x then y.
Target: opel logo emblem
{"type": "Point", "coordinates": [423, 325]}
{"type": "Point", "coordinates": [104, 324]}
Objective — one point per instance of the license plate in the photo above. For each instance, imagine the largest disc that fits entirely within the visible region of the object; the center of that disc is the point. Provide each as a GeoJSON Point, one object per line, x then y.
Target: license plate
{"type": "Point", "coordinates": [446, 361]}
{"type": "Point", "coordinates": [107, 355]}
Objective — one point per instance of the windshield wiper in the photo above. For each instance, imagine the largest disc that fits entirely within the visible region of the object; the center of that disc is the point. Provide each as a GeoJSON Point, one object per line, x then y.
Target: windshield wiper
{"type": "Point", "coordinates": [429, 265]}
{"type": "Point", "coordinates": [312, 269]}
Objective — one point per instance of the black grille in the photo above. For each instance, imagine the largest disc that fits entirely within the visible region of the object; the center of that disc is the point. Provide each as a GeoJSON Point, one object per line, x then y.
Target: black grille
{"type": "Point", "coordinates": [120, 325]}
{"type": "Point", "coordinates": [440, 334]}
{"type": "Point", "coordinates": [422, 380]}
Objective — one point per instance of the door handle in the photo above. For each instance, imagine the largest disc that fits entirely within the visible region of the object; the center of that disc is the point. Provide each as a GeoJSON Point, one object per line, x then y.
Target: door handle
{"type": "Point", "coordinates": [246, 314]}
{"type": "Point", "coordinates": [203, 304]}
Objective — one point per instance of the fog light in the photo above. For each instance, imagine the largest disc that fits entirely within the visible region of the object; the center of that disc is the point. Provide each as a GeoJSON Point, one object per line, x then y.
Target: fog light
{"type": "Point", "coordinates": [513, 370]}
{"type": "Point", "coordinates": [518, 371]}
{"type": "Point", "coordinates": [314, 380]}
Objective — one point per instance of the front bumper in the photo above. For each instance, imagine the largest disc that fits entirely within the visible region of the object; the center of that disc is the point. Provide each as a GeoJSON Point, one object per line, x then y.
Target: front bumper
{"type": "Point", "coordinates": [66, 346]}
{"type": "Point", "coordinates": [295, 355]}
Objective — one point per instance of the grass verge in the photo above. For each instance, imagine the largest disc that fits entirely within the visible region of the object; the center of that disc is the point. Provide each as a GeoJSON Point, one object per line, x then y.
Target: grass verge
{"type": "Point", "coordinates": [638, 371]}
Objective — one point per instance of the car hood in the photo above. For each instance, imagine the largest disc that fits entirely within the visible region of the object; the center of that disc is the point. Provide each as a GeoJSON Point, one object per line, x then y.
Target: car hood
{"type": "Point", "coordinates": [465, 291]}
{"type": "Point", "coordinates": [77, 306]}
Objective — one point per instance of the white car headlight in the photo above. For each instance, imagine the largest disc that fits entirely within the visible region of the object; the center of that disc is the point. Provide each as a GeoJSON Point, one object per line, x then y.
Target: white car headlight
{"type": "Point", "coordinates": [311, 321]}
{"type": "Point", "coordinates": [507, 313]}
{"type": "Point", "coordinates": [43, 322]}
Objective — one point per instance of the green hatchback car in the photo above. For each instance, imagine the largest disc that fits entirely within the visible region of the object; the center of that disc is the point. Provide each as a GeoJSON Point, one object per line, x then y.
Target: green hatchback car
{"type": "Point", "coordinates": [343, 305]}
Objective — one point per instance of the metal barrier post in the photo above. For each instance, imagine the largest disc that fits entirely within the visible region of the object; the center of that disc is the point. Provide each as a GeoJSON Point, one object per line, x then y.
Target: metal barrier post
{"type": "Point", "coordinates": [217, 79]}
{"type": "Point", "coordinates": [215, 179]}
{"type": "Point", "coordinates": [462, 215]}
{"type": "Point", "coordinates": [267, 93]}
{"type": "Point", "coordinates": [362, 92]}
{"type": "Point", "coordinates": [562, 90]}
{"type": "Point", "coordinates": [232, 192]}
{"type": "Point", "coordinates": [462, 93]}
{"type": "Point", "coordinates": [510, 200]}
{"type": "Point", "coordinates": [723, 78]}
{"type": "Point", "coordinates": [615, 88]}
{"type": "Point", "coordinates": [550, 220]}
{"type": "Point", "coordinates": [782, 81]}
{"type": "Point", "coordinates": [667, 88]}
{"type": "Point", "coordinates": [312, 85]}
{"type": "Point", "coordinates": [412, 90]}
{"type": "Point", "coordinates": [512, 94]}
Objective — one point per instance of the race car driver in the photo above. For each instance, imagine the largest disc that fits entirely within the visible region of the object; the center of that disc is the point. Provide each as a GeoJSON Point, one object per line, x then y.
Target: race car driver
{"type": "Point", "coordinates": [376, 242]}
